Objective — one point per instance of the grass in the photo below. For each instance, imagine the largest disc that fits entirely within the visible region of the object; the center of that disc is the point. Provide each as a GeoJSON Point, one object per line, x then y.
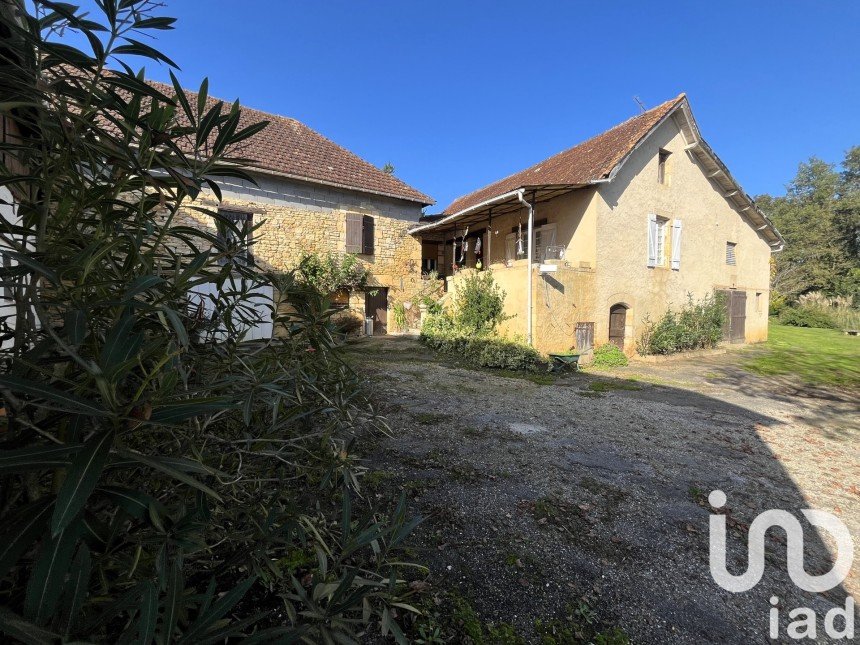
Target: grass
{"type": "Point", "coordinates": [816, 356]}
{"type": "Point", "coordinates": [608, 386]}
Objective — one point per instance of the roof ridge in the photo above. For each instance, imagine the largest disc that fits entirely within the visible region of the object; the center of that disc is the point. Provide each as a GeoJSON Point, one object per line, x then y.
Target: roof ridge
{"type": "Point", "coordinates": [487, 191]}
{"type": "Point", "coordinates": [396, 187]}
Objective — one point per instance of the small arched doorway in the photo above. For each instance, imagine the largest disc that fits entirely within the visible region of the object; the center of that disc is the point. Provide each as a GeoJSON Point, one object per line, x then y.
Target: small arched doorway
{"type": "Point", "coordinates": [617, 324]}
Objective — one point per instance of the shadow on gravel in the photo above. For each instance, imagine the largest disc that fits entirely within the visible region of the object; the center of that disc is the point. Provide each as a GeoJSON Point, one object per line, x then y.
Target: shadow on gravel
{"type": "Point", "coordinates": [537, 496]}
{"type": "Point", "coordinates": [835, 410]}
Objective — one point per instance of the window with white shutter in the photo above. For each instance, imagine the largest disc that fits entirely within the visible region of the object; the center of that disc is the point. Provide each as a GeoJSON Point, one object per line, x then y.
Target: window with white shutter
{"type": "Point", "coordinates": [544, 237]}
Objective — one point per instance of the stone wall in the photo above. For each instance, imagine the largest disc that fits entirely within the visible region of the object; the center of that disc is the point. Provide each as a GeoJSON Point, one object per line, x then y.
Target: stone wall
{"type": "Point", "coordinates": [296, 218]}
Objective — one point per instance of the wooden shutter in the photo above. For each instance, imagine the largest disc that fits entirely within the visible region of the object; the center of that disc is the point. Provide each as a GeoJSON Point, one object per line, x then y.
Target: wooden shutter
{"type": "Point", "coordinates": [676, 245]}
{"type": "Point", "coordinates": [367, 235]}
{"type": "Point", "coordinates": [652, 240]}
{"type": "Point", "coordinates": [353, 233]}
{"type": "Point", "coordinates": [584, 336]}
{"type": "Point", "coordinates": [730, 253]}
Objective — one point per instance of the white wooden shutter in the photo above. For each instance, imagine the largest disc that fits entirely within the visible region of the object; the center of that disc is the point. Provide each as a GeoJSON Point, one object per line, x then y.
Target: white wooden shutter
{"type": "Point", "coordinates": [652, 240]}
{"type": "Point", "coordinates": [544, 237]}
{"type": "Point", "coordinates": [676, 245]}
{"type": "Point", "coordinates": [510, 247]}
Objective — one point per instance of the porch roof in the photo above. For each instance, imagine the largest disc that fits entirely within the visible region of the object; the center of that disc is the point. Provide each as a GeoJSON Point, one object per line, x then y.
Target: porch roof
{"type": "Point", "coordinates": [500, 205]}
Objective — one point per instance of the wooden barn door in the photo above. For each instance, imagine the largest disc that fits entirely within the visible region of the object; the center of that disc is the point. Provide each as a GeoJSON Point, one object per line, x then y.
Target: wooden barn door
{"type": "Point", "coordinates": [617, 323]}
{"type": "Point", "coordinates": [734, 329]}
{"type": "Point", "coordinates": [738, 316]}
{"type": "Point", "coordinates": [376, 307]}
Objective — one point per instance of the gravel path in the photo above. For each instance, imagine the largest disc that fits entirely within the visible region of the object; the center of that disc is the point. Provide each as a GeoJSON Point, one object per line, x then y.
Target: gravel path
{"type": "Point", "coordinates": [595, 485]}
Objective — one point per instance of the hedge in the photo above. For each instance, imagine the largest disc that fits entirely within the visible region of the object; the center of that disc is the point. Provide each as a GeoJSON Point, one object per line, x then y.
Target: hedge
{"type": "Point", "coordinates": [487, 351]}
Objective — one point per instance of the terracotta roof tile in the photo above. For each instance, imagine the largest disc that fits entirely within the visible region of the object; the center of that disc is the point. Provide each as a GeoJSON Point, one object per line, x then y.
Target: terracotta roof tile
{"type": "Point", "coordinates": [593, 159]}
{"type": "Point", "coordinates": [291, 148]}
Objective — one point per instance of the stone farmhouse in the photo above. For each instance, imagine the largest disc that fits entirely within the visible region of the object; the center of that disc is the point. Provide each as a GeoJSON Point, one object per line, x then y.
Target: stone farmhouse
{"type": "Point", "coordinates": [586, 244]}
{"type": "Point", "coordinates": [589, 242]}
{"type": "Point", "coordinates": [314, 196]}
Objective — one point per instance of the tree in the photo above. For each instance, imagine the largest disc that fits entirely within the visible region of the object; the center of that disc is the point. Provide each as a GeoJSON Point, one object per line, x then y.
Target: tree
{"type": "Point", "coordinates": [818, 217]}
{"type": "Point", "coordinates": [388, 168]}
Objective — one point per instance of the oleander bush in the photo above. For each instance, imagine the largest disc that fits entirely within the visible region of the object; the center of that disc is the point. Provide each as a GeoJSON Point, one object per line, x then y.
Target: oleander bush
{"type": "Point", "coordinates": [161, 481]}
{"type": "Point", "coordinates": [696, 325]}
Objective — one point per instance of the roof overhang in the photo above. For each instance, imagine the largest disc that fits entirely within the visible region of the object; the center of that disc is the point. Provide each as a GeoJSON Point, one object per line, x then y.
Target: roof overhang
{"type": "Point", "coordinates": [499, 205]}
{"type": "Point", "coordinates": [717, 172]}
{"type": "Point", "coordinates": [262, 170]}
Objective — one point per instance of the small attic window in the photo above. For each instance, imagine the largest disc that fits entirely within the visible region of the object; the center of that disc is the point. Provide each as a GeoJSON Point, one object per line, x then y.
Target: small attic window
{"type": "Point", "coordinates": [662, 158]}
{"type": "Point", "coordinates": [731, 258]}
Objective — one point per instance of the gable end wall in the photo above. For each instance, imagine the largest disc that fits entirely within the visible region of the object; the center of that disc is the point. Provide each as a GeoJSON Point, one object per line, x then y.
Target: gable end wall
{"type": "Point", "coordinates": [708, 220]}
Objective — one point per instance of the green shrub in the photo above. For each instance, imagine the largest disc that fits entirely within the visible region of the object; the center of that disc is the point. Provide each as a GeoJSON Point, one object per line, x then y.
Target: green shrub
{"type": "Point", "coordinates": [697, 325]}
{"type": "Point", "coordinates": [807, 317]}
{"type": "Point", "coordinates": [330, 272]}
{"type": "Point", "coordinates": [608, 355]}
{"type": "Point", "coordinates": [483, 351]}
{"type": "Point", "coordinates": [777, 303]}
{"type": "Point", "coordinates": [399, 316]}
{"type": "Point", "coordinates": [436, 324]}
{"type": "Point", "coordinates": [480, 304]}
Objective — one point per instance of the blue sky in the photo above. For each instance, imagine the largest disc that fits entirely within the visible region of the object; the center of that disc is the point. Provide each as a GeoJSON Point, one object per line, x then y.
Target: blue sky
{"type": "Point", "coordinates": [459, 94]}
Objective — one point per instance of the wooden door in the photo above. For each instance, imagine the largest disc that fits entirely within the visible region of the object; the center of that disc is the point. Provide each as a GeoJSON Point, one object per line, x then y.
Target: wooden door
{"type": "Point", "coordinates": [734, 327]}
{"type": "Point", "coordinates": [738, 316]}
{"type": "Point", "coordinates": [617, 323]}
{"type": "Point", "coordinates": [376, 307]}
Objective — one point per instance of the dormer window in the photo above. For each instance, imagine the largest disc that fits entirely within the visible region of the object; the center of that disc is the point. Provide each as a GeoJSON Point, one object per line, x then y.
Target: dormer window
{"type": "Point", "coordinates": [662, 158]}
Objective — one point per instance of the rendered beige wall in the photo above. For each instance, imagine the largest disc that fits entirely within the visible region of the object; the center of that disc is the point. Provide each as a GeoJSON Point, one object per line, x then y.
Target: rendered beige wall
{"type": "Point", "coordinates": [709, 221]}
{"type": "Point", "coordinates": [560, 299]}
{"type": "Point", "coordinates": [605, 232]}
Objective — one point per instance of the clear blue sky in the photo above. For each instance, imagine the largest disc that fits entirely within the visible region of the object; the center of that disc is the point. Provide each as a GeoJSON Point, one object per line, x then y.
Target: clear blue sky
{"type": "Point", "coordinates": [459, 94]}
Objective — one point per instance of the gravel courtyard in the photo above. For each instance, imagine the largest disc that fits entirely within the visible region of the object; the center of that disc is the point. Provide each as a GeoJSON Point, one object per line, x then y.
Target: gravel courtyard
{"type": "Point", "coordinates": [540, 494]}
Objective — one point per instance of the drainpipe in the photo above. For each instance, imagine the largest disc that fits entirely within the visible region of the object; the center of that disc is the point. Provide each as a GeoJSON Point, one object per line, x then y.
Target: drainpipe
{"type": "Point", "coordinates": [529, 268]}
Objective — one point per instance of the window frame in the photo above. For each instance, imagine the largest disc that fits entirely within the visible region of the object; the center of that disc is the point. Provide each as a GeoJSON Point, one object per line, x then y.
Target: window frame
{"type": "Point", "coordinates": [662, 166]}
{"type": "Point", "coordinates": [661, 227]}
{"type": "Point", "coordinates": [545, 228]}
{"type": "Point", "coordinates": [244, 220]}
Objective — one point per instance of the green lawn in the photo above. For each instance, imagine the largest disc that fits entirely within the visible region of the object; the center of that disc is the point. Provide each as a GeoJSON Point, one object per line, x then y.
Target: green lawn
{"type": "Point", "coordinates": [816, 356]}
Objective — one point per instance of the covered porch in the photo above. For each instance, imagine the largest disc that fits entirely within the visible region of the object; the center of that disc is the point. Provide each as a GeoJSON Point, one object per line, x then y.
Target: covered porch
{"type": "Point", "coordinates": [538, 243]}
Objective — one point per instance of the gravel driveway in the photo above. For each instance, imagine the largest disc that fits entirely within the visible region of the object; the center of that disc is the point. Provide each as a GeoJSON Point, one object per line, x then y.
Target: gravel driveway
{"type": "Point", "coordinates": [595, 486]}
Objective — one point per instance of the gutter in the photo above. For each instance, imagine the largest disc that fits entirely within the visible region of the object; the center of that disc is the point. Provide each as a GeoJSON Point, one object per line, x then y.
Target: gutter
{"type": "Point", "coordinates": [466, 211]}
{"type": "Point", "coordinates": [529, 285]}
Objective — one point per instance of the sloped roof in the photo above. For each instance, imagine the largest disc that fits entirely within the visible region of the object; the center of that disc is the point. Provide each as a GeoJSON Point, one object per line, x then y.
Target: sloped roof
{"type": "Point", "coordinates": [589, 161]}
{"type": "Point", "coordinates": [289, 147]}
